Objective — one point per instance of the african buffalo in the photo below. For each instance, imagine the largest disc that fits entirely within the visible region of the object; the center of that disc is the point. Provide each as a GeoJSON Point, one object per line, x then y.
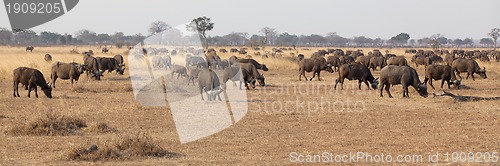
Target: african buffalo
{"type": "Point", "coordinates": [468, 66]}
{"type": "Point", "coordinates": [65, 71]}
{"type": "Point", "coordinates": [358, 72]}
{"type": "Point", "coordinates": [333, 61]}
{"type": "Point", "coordinates": [180, 70]}
{"type": "Point", "coordinates": [441, 72]}
{"type": "Point", "coordinates": [208, 81]}
{"type": "Point", "coordinates": [48, 58]}
{"type": "Point", "coordinates": [110, 65]}
{"type": "Point", "coordinates": [31, 78]}
{"type": "Point", "coordinates": [30, 48]}
{"type": "Point", "coordinates": [255, 63]}
{"type": "Point", "coordinates": [377, 61]}
{"type": "Point", "coordinates": [398, 61]}
{"type": "Point", "coordinates": [315, 65]}
{"type": "Point", "coordinates": [404, 75]}
{"type": "Point", "coordinates": [92, 67]}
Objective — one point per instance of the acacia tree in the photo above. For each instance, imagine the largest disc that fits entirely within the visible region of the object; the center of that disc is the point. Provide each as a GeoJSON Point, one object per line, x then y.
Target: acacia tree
{"type": "Point", "coordinates": [158, 27]}
{"type": "Point", "coordinates": [495, 32]}
{"type": "Point", "coordinates": [269, 34]}
{"type": "Point", "coordinates": [201, 25]}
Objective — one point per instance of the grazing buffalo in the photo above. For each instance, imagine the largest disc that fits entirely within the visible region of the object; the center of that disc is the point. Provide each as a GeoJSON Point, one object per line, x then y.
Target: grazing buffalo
{"type": "Point", "coordinates": [387, 56]}
{"type": "Point", "coordinates": [377, 61]}
{"type": "Point", "coordinates": [404, 75]}
{"type": "Point", "coordinates": [110, 65]}
{"type": "Point", "coordinates": [346, 59]}
{"type": "Point", "coordinates": [30, 48]}
{"type": "Point", "coordinates": [358, 72]}
{"type": "Point", "coordinates": [334, 62]}
{"type": "Point", "coordinates": [180, 70]}
{"type": "Point", "coordinates": [364, 60]}
{"type": "Point", "coordinates": [398, 61]}
{"type": "Point", "coordinates": [249, 74]}
{"type": "Point", "coordinates": [422, 60]}
{"type": "Point", "coordinates": [208, 81]}
{"type": "Point", "coordinates": [197, 61]}
{"type": "Point", "coordinates": [233, 50]}
{"type": "Point", "coordinates": [356, 54]}
{"type": "Point", "coordinates": [255, 63]}
{"type": "Point", "coordinates": [468, 66]}
{"type": "Point", "coordinates": [47, 58]}
{"type": "Point", "coordinates": [104, 50]}
{"type": "Point", "coordinates": [441, 72]}
{"type": "Point", "coordinates": [161, 62]}
{"type": "Point", "coordinates": [31, 78]}
{"type": "Point", "coordinates": [213, 60]}
{"type": "Point", "coordinates": [92, 67]}
{"type": "Point", "coordinates": [65, 71]}
{"type": "Point", "coordinates": [242, 52]}
{"type": "Point", "coordinates": [315, 65]}
{"type": "Point", "coordinates": [449, 58]}
{"type": "Point", "coordinates": [193, 74]}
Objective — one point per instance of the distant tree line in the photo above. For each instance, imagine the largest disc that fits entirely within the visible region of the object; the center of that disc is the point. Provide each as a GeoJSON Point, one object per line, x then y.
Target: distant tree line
{"type": "Point", "coordinates": [267, 37]}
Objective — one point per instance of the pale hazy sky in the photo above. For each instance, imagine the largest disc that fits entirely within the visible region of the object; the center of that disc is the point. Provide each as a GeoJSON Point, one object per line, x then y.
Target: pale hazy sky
{"type": "Point", "coordinates": [371, 18]}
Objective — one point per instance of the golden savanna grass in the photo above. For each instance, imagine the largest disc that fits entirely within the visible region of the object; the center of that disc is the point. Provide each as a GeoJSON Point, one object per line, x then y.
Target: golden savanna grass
{"type": "Point", "coordinates": [285, 116]}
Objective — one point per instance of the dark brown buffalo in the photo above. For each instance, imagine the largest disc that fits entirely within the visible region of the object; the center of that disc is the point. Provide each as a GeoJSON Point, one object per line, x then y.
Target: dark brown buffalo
{"type": "Point", "coordinates": [110, 65]}
{"type": "Point", "coordinates": [315, 65]}
{"type": "Point", "coordinates": [422, 60]}
{"type": "Point", "coordinates": [356, 54]}
{"type": "Point", "coordinates": [404, 75]}
{"type": "Point", "coordinates": [377, 61]}
{"type": "Point", "coordinates": [65, 71]}
{"type": "Point", "coordinates": [249, 74]}
{"type": "Point", "coordinates": [180, 70]}
{"type": "Point", "coordinates": [398, 61]}
{"type": "Point", "coordinates": [92, 67]}
{"type": "Point", "coordinates": [468, 66]}
{"type": "Point", "coordinates": [104, 50]}
{"type": "Point", "coordinates": [193, 74]}
{"type": "Point", "coordinates": [30, 48]}
{"type": "Point", "coordinates": [255, 63]}
{"type": "Point", "coordinates": [208, 81]}
{"type": "Point", "coordinates": [333, 61]}
{"type": "Point", "coordinates": [346, 59]}
{"type": "Point", "coordinates": [449, 58]}
{"type": "Point", "coordinates": [197, 61]}
{"type": "Point", "coordinates": [119, 60]}
{"type": "Point", "coordinates": [364, 60]}
{"type": "Point", "coordinates": [47, 58]}
{"type": "Point", "coordinates": [30, 78]}
{"type": "Point", "coordinates": [222, 50]}
{"type": "Point", "coordinates": [358, 72]}
{"type": "Point", "coordinates": [441, 72]}
{"type": "Point", "coordinates": [387, 56]}
{"type": "Point", "coordinates": [233, 59]}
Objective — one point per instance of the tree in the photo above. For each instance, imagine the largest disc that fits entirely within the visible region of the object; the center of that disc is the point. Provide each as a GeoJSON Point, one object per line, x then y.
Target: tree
{"type": "Point", "coordinates": [86, 36]}
{"type": "Point", "coordinates": [334, 39]}
{"type": "Point", "coordinates": [458, 42]}
{"type": "Point", "coordinates": [486, 41]}
{"type": "Point", "coordinates": [158, 27]}
{"type": "Point", "coordinates": [201, 25]}
{"type": "Point", "coordinates": [401, 38]}
{"type": "Point", "coordinates": [62, 40]}
{"type": "Point", "coordinates": [285, 39]}
{"type": "Point", "coordinates": [49, 37]}
{"type": "Point", "coordinates": [5, 36]}
{"type": "Point", "coordinates": [269, 34]}
{"type": "Point", "coordinates": [495, 32]}
{"type": "Point", "coordinates": [468, 41]}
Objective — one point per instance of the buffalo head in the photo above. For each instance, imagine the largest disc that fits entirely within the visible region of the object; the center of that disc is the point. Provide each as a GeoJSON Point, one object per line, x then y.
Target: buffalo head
{"type": "Point", "coordinates": [261, 80]}
{"type": "Point", "coordinates": [375, 84]}
{"type": "Point", "coordinates": [482, 73]}
{"type": "Point", "coordinates": [264, 67]}
{"type": "Point", "coordinates": [422, 90]}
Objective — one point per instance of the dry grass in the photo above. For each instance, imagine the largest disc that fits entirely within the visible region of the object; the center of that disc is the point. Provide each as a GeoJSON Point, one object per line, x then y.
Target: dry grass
{"type": "Point", "coordinates": [101, 127]}
{"type": "Point", "coordinates": [49, 125]}
{"type": "Point", "coordinates": [128, 147]}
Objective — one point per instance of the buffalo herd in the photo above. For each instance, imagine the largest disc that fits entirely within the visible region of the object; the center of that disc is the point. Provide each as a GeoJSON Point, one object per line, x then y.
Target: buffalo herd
{"type": "Point", "coordinates": [395, 70]}
{"type": "Point", "coordinates": [201, 65]}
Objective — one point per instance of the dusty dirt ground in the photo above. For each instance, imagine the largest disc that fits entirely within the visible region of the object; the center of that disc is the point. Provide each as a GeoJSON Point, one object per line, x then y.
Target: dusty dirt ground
{"type": "Point", "coordinates": [285, 116]}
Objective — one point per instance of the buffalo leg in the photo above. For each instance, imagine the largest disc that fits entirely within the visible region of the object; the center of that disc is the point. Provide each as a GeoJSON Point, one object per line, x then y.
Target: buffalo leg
{"type": "Point", "coordinates": [314, 75]}
{"type": "Point", "coordinates": [336, 82]}
{"type": "Point", "coordinates": [366, 83]}
{"type": "Point", "coordinates": [430, 83]}
{"type": "Point", "coordinates": [36, 91]}
{"type": "Point", "coordinates": [16, 89]}
{"type": "Point", "coordinates": [29, 90]}
{"type": "Point", "coordinates": [442, 83]}
{"type": "Point", "coordinates": [472, 75]}
{"type": "Point", "coordinates": [201, 92]}
{"type": "Point", "coordinates": [458, 74]}
{"type": "Point", "coordinates": [387, 89]}
{"type": "Point", "coordinates": [405, 91]}
{"type": "Point", "coordinates": [381, 87]}
{"type": "Point", "coordinates": [359, 84]}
